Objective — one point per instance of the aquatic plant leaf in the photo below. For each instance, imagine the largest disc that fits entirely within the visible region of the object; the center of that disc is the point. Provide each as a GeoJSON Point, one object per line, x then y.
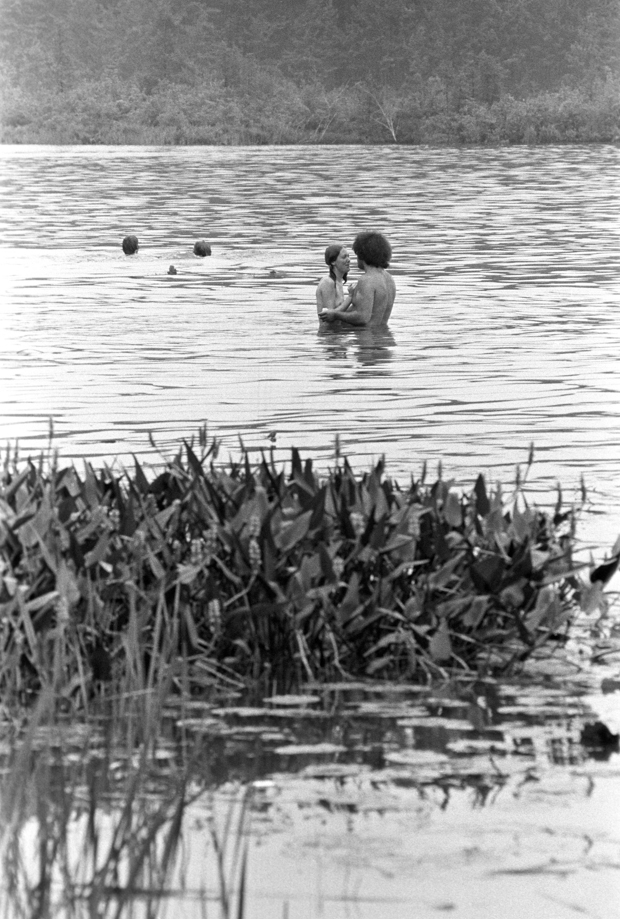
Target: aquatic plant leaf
{"type": "Point", "coordinates": [475, 614]}
{"type": "Point", "coordinates": [38, 525]}
{"type": "Point", "coordinates": [539, 559]}
{"type": "Point", "coordinates": [488, 571]}
{"type": "Point", "coordinates": [318, 509]}
{"type": "Point", "coordinates": [39, 603]}
{"type": "Point", "coordinates": [294, 532]}
{"type": "Point", "coordinates": [350, 602]}
{"type": "Point", "coordinates": [381, 507]}
{"type": "Point", "coordinates": [66, 584]}
{"type": "Point", "coordinates": [482, 501]}
{"type": "Point", "coordinates": [380, 663]}
{"type": "Point", "coordinates": [309, 571]}
{"type": "Point", "coordinates": [546, 609]}
{"type": "Point", "coordinates": [161, 519]}
{"type": "Point", "coordinates": [156, 566]}
{"type": "Point", "coordinates": [99, 553]}
{"type": "Point", "coordinates": [325, 560]}
{"type": "Point", "coordinates": [140, 479]}
{"type": "Point", "coordinates": [186, 574]}
{"type": "Point", "coordinates": [451, 608]}
{"type": "Point", "coordinates": [440, 646]}
{"type": "Point", "coordinates": [14, 487]}
{"type": "Point", "coordinates": [306, 491]}
{"type": "Point", "coordinates": [194, 463]}
{"type": "Point", "coordinates": [28, 625]}
{"type": "Point", "coordinates": [296, 463]}
{"type": "Point", "coordinates": [190, 624]}
{"type": "Point", "coordinates": [91, 491]}
{"type": "Point", "coordinates": [452, 510]}
{"type": "Point", "coordinates": [48, 555]}
{"type": "Point", "coordinates": [513, 595]}
{"type": "Point", "coordinates": [392, 638]}
{"type": "Point", "coordinates": [592, 598]}
{"type": "Point", "coordinates": [442, 577]}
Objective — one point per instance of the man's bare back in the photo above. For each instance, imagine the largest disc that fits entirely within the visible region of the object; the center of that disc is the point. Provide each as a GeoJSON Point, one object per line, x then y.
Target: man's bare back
{"type": "Point", "coordinates": [374, 296]}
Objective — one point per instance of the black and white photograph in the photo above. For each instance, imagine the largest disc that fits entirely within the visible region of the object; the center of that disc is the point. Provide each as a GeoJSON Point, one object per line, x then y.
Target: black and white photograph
{"type": "Point", "coordinates": [309, 459]}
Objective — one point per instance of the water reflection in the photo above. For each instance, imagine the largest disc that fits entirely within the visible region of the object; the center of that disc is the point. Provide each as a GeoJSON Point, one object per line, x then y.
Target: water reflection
{"type": "Point", "coordinates": [375, 348]}
{"type": "Point", "coordinates": [345, 800]}
{"type": "Point", "coordinates": [372, 348]}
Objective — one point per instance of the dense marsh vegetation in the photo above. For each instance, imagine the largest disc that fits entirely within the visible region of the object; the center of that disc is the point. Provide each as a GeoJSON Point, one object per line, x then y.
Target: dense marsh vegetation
{"type": "Point", "coordinates": [138, 607]}
{"type": "Point", "coordinates": [249, 575]}
{"type": "Point", "coordinates": [310, 71]}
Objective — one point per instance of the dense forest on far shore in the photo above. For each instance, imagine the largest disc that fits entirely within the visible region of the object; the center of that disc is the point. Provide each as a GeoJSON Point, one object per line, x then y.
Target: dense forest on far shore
{"type": "Point", "coordinates": [309, 71]}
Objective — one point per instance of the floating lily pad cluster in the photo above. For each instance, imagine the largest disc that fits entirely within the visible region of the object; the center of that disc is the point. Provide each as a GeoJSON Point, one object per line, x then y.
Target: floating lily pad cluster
{"type": "Point", "coordinates": [258, 576]}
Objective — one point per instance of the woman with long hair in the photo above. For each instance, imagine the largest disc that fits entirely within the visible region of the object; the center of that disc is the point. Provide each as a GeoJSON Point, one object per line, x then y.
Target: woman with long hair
{"type": "Point", "coordinates": [330, 294]}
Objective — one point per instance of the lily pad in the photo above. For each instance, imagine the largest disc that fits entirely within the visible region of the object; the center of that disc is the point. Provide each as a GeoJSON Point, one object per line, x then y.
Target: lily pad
{"type": "Point", "coordinates": [319, 749]}
{"type": "Point", "coordinates": [416, 757]}
{"type": "Point", "coordinates": [201, 725]}
{"type": "Point", "coordinates": [431, 721]}
{"type": "Point", "coordinates": [292, 700]}
{"type": "Point", "coordinates": [469, 747]}
{"type": "Point", "coordinates": [240, 711]}
{"type": "Point", "coordinates": [333, 770]}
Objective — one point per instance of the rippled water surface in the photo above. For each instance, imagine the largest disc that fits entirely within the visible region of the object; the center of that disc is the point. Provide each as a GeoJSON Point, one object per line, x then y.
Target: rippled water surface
{"type": "Point", "coordinates": [506, 327]}
{"type": "Point", "coordinates": [349, 801]}
{"type": "Point", "coordinates": [506, 330]}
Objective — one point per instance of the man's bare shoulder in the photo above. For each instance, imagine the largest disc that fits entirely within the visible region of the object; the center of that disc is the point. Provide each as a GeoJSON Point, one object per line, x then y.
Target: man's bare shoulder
{"type": "Point", "coordinates": [380, 281]}
{"type": "Point", "coordinates": [369, 283]}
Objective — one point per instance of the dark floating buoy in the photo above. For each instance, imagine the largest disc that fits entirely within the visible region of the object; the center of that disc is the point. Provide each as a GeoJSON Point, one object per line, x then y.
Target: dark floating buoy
{"type": "Point", "coordinates": [172, 270]}
{"type": "Point", "coordinates": [130, 245]}
{"type": "Point", "coordinates": [274, 273]}
{"type": "Point", "coordinates": [202, 248]}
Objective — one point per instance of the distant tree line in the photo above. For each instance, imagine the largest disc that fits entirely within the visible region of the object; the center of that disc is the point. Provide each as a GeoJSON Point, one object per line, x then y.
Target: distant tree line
{"type": "Point", "coordinates": [309, 71]}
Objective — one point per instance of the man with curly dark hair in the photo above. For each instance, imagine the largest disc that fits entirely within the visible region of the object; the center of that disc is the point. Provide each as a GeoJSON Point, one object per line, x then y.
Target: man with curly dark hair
{"type": "Point", "coordinates": [374, 293]}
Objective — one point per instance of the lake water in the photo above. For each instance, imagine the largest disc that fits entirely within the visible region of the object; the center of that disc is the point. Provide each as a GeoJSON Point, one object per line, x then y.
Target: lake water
{"type": "Point", "coordinates": [352, 801]}
{"type": "Point", "coordinates": [505, 329]}
{"type": "Point", "coordinates": [364, 802]}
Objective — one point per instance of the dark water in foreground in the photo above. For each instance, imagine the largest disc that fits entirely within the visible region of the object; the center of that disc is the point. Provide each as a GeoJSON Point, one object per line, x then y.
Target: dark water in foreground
{"type": "Point", "coordinates": [359, 802]}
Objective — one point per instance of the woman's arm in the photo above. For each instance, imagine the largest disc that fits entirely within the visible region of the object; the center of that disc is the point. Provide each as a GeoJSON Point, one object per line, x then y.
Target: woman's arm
{"type": "Point", "coordinates": [359, 310]}
{"type": "Point", "coordinates": [325, 295]}
{"type": "Point", "coordinates": [348, 300]}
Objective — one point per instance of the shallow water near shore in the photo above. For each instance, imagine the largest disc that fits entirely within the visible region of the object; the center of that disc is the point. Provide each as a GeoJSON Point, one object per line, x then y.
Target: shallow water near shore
{"type": "Point", "coordinates": [478, 800]}
{"type": "Point", "coordinates": [363, 800]}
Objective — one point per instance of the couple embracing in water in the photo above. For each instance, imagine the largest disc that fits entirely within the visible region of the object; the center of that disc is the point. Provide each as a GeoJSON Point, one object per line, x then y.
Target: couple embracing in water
{"type": "Point", "coordinates": [369, 302]}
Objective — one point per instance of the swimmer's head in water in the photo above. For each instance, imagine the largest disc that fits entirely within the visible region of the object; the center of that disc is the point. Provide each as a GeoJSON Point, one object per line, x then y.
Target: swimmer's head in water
{"type": "Point", "coordinates": [337, 253]}
{"type": "Point", "coordinates": [130, 245]}
{"type": "Point", "coordinates": [202, 248]}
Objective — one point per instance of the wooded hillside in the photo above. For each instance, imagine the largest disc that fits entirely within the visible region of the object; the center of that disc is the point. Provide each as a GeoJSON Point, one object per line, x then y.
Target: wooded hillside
{"type": "Point", "coordinates": [304, 71]}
